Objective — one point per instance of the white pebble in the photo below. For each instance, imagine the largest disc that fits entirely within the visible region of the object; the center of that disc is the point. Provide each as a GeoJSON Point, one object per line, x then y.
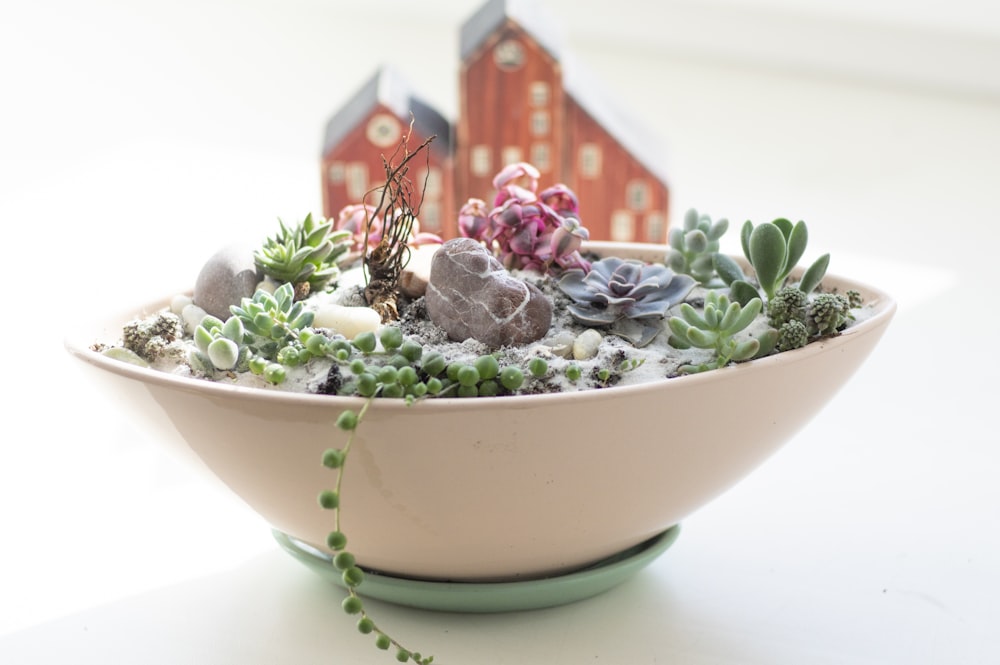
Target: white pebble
{"type": "Point", "coordinates": [348, 321]}
{"type": "Point", "coordinates": [561, 344]}
{"type": "Point", "coordinates": [586, 344]}
{"type": "Point", "coordinates": [192, 316]}
{"type": "Point", "coordinates": [417, 273]}
{"type": "Point", "coordinates": [179, 302]}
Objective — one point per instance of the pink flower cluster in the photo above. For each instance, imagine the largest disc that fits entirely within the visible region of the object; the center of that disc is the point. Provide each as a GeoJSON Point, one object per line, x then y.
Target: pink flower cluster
{"type": "Point", "coordinates": [355, 217]}
{"type": "Point", "coordinates": [527, 229]}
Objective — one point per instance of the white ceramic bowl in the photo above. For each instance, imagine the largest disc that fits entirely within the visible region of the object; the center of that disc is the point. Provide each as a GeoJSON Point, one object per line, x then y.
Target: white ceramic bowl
{"type": "Point", "coordinates": [495, 488]}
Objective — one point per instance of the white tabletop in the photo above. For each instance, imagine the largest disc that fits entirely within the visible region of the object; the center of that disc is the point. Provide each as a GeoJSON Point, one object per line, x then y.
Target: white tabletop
{"type": "Point", "coordinates": [139, 139]}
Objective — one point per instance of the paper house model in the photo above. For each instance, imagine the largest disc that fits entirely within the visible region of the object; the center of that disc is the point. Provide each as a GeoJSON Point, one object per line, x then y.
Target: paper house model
{"type": "Point", "coordinates": [522, 98]}
{"type": "Point", "coordinates": [370, 127]}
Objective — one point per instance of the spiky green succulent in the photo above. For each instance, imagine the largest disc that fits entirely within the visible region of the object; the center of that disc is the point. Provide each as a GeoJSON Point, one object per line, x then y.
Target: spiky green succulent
{"type": "Point", "coordinates": [305, 254]}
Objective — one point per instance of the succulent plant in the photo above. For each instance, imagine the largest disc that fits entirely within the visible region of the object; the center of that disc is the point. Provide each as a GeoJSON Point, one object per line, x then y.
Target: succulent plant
{"type": "Point", "coordinates": [272, 322]}
{"type": "Point", "coordinates": [694, 245]}
{"type": "Point", "coordinates": [788, 304]}
{"type": "Point", "coordinates": [527, 230]}
{"type": "Point", "coordinates": [630, 297]}
{"type": "Point", "coordinates": [828, 314]}
{"type": "Point", "coordinates": [304, 255]}
{"type": "Point", "coordinates": [717, 327]}
{"type": "Point", "coordinates": [222, 345]}
{"type": "Point", "coordinates": [773, 250]}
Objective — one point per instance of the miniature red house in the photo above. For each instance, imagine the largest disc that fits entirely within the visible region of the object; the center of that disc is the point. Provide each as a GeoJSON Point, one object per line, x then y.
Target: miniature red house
{"type": "Point", "coordinates": [369, 127]}
{"type": "Point", "coordinates": [522, 99]}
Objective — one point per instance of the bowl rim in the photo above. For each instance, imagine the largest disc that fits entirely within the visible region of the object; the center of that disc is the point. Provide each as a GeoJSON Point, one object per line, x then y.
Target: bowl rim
{"type": "Point", "coordinates": [81, 338]}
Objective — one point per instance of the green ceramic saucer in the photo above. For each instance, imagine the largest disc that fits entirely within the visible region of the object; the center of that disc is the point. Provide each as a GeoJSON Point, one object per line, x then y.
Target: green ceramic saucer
{"type": "Point", "coordinates": [492, 596]}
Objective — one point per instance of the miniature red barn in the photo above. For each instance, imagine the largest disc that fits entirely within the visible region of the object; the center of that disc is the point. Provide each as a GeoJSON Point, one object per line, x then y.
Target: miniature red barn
{"type": "Point", "coordinates": [521, 98]}
{"type": "Point", "coordinates": [369, 127]}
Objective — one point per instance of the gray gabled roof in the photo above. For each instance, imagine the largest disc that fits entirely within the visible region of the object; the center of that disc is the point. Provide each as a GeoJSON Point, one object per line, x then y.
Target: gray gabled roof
{"type": "Point", "coordinates": [388, 87]}
{"type": "Point", "coordinates": [529, 14]}
{"type": "Point", "coordinates": [578, 84]}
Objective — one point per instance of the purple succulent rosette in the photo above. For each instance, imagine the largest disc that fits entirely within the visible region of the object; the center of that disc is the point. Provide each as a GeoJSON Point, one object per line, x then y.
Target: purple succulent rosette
{"type": "Point", "coordinates": [629, 297]}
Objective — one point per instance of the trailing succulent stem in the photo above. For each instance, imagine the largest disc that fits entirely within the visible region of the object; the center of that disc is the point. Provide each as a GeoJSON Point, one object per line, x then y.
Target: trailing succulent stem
{"type": "Point", "coordinates": [716, 328]}
{"type": "Point", "coordinates": [351, 574]}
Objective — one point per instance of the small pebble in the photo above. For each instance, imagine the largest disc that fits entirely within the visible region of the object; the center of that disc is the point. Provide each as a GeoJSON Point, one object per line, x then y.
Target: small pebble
{"type": "Point", "coordinates": [192, 315]}
{"type": "Point", "coordinates": [417, 273]}
{"type": "Point", "coordinates": [585, 346]}
{"type": "Point", "coordinates": [348, 321]}
{"type": "Point", "coordinates": [561, 344]}
{"type": "Point", "coordinates": [179, 302]}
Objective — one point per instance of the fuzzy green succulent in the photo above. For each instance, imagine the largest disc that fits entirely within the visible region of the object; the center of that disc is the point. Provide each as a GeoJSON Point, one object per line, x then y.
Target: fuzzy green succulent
{"type": "Point", "coordinates": [717, 327]}
{"type": "Point", "coordinates": [304, 255]}
{"type": "Point", "coordinates": [272, 322]}
{"type": "Point", "coordinates": [694, 245]}
{"type": "Point", "coordinates": [773, 250]}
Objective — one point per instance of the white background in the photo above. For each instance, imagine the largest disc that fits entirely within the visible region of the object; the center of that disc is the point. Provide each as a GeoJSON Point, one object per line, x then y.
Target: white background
{"type": "Point", "coordinates": [137, 138]}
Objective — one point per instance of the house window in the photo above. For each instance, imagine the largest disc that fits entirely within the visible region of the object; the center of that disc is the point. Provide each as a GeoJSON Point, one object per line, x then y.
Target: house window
{"type": "Point", "coordinates": [541, 156]}
{"type": "Point", "coordinates": [637, 195]}
{"type": "Point", "coordinates": [511, 155]}
{"type": "Point", "coordinates": [508, 54]}
{"type": "Point", "coordinates": [590, 160]}
{"type": "Point", "coordinates": [336, 173]}
{"type": "Point", "coordinates": [481, 160]}
{"type": "Point", "coordinates": [356, 177]}
{"type": "Point", "coordinates": [429, 180]}
{"type": "Point", "coordinates": [656, 227]}
{"type": "Point", "coordinates": [539, 123]}
{"type": "Point", "coordinates": [383, 130]}
{"type": "Point", "coordinates": [430, 216]}
{"type": "Point", "coordinates": [539, 93]}
{"type": "Point", "coordinates": [622, 226]}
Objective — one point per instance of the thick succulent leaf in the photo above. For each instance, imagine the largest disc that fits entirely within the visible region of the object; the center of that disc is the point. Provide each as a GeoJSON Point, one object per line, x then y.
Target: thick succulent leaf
{"type": "Point", "coordinates": [796, 240]}
{"type": "Point", "coordinates": [745, 231]}
{"type": "Point", "coordinates": [783, 225]}
{"type": "Point", "coordinates": [745, 350]}
{"type": "Point", "coordinates": [711, 317]}
{"type": "Point", "coordinates": [703, 339]}
{"type": "Point", "coordinates": [677, 289]}
{"type": "Point", "coordinates": [768, 340]}
{"type": "Point", "coordinates": [223, 353]}
{"type": "Point", "coordinates": [690, 219]}
{"type": "Point", "coordinates": [691, 315]}
{"type": "Point", "coordinates": [679, 327]}
{"type": "Point", "coordinates": [814, 275]}
{"type": "Point", "coordinates": [676, 239]}
{"type": "Point", "coordinates": [592, 316]}
{"type": "Point", "coordinates": [648, 308]}
{"type": "Point", "coordinates": [637, 331]}
{"type": "Point", "coordinates": [746, 316]}
{"type": "Point", "coordinates": [767, 254]}
{"type": "Point", "coordinates": [696, 241]}
{"type": "Point", "coordinates": [202, 338]}
{"type": "Point", "coordinates": [233, 329]}
{"type": "Point", "coordinates": [729, 271]}
{"type": "Point", "coordinates": [729, 318]}
{"type": "Point", "coordinates": [574, 284]}
{"type": "Point", "coordinates": [742, 292]}
{"type": "Point", "coordinates": [718, 229]}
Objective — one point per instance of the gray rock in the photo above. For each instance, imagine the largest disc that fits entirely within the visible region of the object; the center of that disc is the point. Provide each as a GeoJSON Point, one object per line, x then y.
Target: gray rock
{"type": "Point", "coordinates": [470, 294]}
{"type": "Point", "coordinates": [226, 278]}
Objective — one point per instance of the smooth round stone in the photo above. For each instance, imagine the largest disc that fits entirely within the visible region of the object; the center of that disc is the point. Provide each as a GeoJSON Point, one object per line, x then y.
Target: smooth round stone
{"type": "Point", "coordinates": [586, 344]}
{"type": "Point", "coordinates": [228, 277]}
{"type": "Point", "coordinates": [348, 321]}
{"type": "Point", "coordinates": [417, 273]}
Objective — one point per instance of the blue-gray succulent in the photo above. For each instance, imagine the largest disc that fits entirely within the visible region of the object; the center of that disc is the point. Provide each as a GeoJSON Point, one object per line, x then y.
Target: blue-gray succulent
{"type": "Point", "coordinates": [629, 297]}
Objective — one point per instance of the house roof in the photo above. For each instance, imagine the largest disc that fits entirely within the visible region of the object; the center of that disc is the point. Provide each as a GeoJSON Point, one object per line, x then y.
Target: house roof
{"type": "Point", "coordinates": [388, 87]}
{"type": "Point", "coordinates": [583, 88]}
